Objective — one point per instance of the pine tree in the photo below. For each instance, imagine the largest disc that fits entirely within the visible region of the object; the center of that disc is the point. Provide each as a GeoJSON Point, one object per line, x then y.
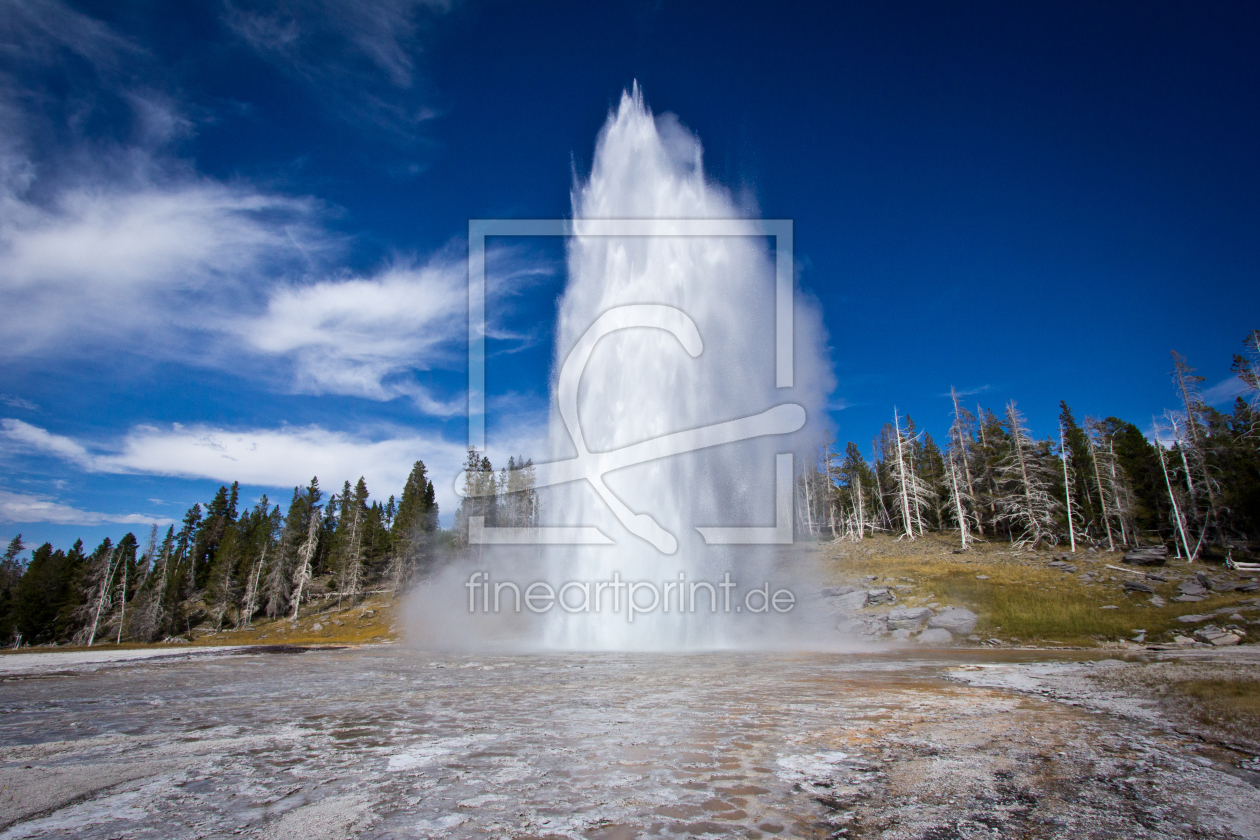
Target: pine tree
{"type": "Point", "coordinates": [150, 607]}
{"type": "Point", "coordinates": [1247, 367]}
{"type": "Point", "coordinates": [277, 582]}
{"type": "Point", "coordinates": [39, 594]}
{"type": "Point", "coordinates": [350, 539]}
{"type": "Point", "coordinates": [994, 446]}
{"type": "Point", "coordinates": [265, 525]}
{"type": "Point", "coordinates": [10, 577]}
{"type": "Point", "coordinates": [479, 495]}
{"type": "Point", "coordinates": [1080, 467]}
{"type": "Point", "coordinates": [859, 481]}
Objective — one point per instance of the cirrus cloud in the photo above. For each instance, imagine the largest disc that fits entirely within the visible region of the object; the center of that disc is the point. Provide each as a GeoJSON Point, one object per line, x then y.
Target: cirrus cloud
{"type": "Point", "coordinates": [23, 507]}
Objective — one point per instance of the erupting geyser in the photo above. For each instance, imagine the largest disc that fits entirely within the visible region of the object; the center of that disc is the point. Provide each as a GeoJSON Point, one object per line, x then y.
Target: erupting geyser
{"type": "Point", "coordinates": [642, 384]}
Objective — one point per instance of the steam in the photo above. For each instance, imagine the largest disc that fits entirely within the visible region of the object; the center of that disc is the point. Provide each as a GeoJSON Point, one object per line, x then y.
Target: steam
{"type": "Point", "coordinates": [640, 384]}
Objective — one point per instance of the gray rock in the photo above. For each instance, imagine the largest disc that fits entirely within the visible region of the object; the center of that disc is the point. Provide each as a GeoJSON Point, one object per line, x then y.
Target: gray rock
{"type": "Point", "coordinates": [901, 634]}
{"type": "Point", "coordinates": [957, 620]}
{"type": "Point", "coordinates": [935, 636]}
{"type": "Point", "coordinates": [1191, 587]}
{"type": "Point", "coordinates": [1249, 586]}
{"type": "Point", "coordinates": [1192, 619]}
{"type": "Point", "coordinates": [1188, 599]}
{"type": "Point", "coordinates": [1138, 586]}
{"type": "Point", "coordinates": [1157, 601]}
{"type": "Point", "coordinates": [880, 596]}
{"type": "Point", "coordinates": [1151, 556]}
{"type": "Point", "coordinates": [908, 618]}
{"type": "Point", "coordinates": [853, 600]}
{"type": "Point", "coordinates": [864, 627]}
{"type": "Point", "coordinates": [1209, 633]}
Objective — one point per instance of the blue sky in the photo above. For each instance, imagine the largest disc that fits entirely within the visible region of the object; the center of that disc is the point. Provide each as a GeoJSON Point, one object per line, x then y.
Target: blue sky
{"type": "Point", "coordinates": [232, 234]}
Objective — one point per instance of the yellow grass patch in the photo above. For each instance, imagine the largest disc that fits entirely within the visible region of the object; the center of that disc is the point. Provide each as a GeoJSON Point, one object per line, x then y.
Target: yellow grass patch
{"type": "Point", "coordinates": [1017, 595]}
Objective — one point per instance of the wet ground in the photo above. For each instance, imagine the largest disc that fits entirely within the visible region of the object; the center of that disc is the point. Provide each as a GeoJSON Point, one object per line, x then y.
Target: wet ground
{"type": "Point", "coordinates": [385, 742]}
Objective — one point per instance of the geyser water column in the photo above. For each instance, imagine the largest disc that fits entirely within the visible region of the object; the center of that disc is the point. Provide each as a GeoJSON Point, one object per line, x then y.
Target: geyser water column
{"type": "Point", "coordinates": [639, 384]}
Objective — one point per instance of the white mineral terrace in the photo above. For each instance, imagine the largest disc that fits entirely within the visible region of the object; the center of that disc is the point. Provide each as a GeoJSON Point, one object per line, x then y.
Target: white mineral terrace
{"type": "Point", "coordinates": [389, 742]}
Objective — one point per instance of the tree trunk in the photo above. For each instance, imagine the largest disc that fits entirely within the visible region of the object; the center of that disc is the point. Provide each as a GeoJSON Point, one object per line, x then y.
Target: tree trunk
{"type": "Point", "coordinates": [122, 616]}
{"type": "Point", "coordinates": [100, 600]}
{"type": "Point", "coordinates": [306, 552]}
{"type": "Point", "coordinates": [908, 526]}
{"type": "Point", "coordinates": [1102, 495]}
{"type": "Point", "coordinates": [962, 521]}
{"type": "Point", "coordinates": [1067, 488]}
{"type": "Point", "coordinates": [1159, 447]}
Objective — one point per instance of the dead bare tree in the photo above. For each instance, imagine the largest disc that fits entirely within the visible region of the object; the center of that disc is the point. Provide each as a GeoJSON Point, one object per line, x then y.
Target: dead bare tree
{"type": "Point", "coordinates": [961, 435]}
{"type": "Point", "coordinates": [957, 496]}
{"type": "Point", "coordinates": [1025, 501]}
{"type": "Point", "coordinates": [903, 479]}
{"type": "Point", "coordinates": [912, 493]}
{"type": "Point", "coordinates": [1102, 493]}
{"type": "Point", "coordinates": [1187, 382]}
{"type": "Point", "coordinates": [1067, 487]}
{"type": "Point", "coordinates": [1178, 521]}
{"type": "Point", "coordinates": [305, 554]}
{"type": "Point", "coordinates": [102, 593]}
{"type": "Point", "coordinates": [122, 602]}
{"type": "Point", "coordinates": [249, 605]}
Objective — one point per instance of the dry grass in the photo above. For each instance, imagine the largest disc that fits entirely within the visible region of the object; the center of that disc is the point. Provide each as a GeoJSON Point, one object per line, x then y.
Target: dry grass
{"type": "Point", "coordinates": [1022, 597]}
{"type": "Point", "coordinates": [370, 620]}
{"type": "Point", "coordinates": [1218, 699]}
{"type": "Point", "coordinates": [1224, 701]}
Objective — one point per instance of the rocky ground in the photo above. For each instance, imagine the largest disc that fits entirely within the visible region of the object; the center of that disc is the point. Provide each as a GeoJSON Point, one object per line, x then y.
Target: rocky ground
{"type": "Point", "coordinates": [386, 742]}
{"type": "Point", "coordinates": [1009, 693]}
{"type": "Point", "coordinates": [930, 592]}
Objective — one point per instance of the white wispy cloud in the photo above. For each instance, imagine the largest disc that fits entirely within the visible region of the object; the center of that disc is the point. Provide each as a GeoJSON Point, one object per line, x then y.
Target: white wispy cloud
{"type": "Point", "coordinates": [114, 248]}
{"type": "Point", "coordinates": [968, 392]}
{"type": "Point", "coordinates": [24, 436]}
{"type": "Point", "coordinates": [358, 57]}
{"type": "Point", "coordinates": [361, 335]}
{"type": "Point", "coordinates": [1225, 391]}
{"type": "Point", "coordinates": [37, 32]}
{"type": "Point", "coordinates": [139, 266]}
{"type": "Point", "coordinates": [284, 457]}
{"type": "Point", "coordinates": [23, 507]}
{"type": "Point", "coordinates": [13, 401]}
